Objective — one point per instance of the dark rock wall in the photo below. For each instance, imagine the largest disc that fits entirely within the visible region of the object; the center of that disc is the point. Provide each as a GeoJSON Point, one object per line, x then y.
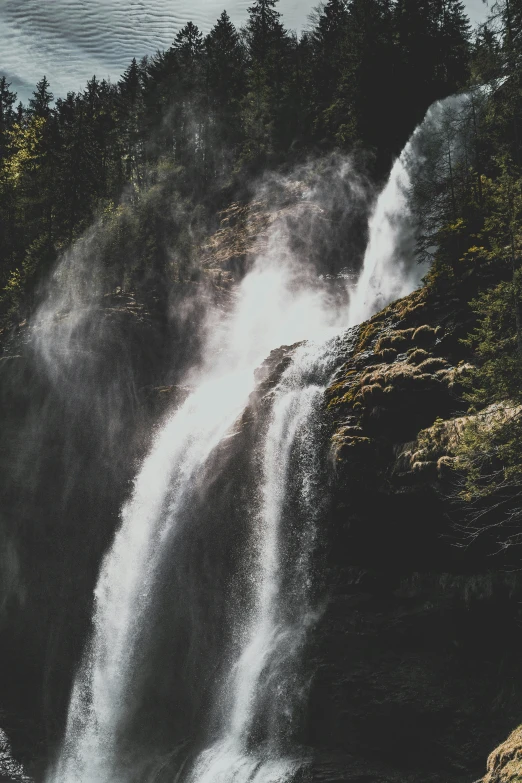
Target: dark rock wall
{"type": "Point", "coordinates": [417, 667]}
{"type": "Point", "coordinates": [414, 665]}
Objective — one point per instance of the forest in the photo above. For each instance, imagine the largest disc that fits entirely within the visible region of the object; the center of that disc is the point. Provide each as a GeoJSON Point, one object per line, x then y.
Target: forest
{"type": "Point", "coordinates": [194, 122]}
{"type": "Point", "coordinates": [188, 127]}
{"type": "Point", "coordinates": [400, 438]}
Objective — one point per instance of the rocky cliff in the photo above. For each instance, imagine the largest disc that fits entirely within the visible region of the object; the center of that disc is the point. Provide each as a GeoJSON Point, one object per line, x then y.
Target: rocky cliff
{"type": "Point", "coordinates": [413, 663]}
{"type": "Point", "coordinates": [416, 652]}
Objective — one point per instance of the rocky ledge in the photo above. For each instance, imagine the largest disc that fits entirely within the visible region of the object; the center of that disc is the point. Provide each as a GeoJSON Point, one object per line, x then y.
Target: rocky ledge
{"type": "Point", "coordinates": [417, 670]}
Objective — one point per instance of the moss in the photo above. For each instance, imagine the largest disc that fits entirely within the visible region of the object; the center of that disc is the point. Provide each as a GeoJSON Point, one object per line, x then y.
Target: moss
{"type": "Point", "coordinates": [349, 447]}
{"type": "Point", "coordinates": [387, 354]}
{"type": "Point", "coordinates": [372, 375]}
{"type": "Point", "coordinates": [411, 305]}
{"type": "Point", "coordinates": [368, 332]}
{"type": "Point", "coordinates": [505, 763]}
{"type": "Point", "coordinates": [400, 373]}
{"type": "Point", "coordinates": [369, 393]}
{"type": "Point", "coordinates": [432, 365]}
{"type": "Point", "coordinates": [457, 376]}
{"type": "Point", "coordinates": [424, 336]}
{"type": "Point", "coordinates": [397, 339]}
{"type": "Point", "coordinates": [417, 355]}
{"type": "Point", "coordinates": [445, 466]}
{"type": "Point", "coordinates": [350, 395]}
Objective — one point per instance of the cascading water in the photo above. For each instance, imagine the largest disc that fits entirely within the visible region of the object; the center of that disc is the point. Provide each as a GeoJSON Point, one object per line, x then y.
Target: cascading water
{"type": "Point", "coordinates": [390, 269]}
{"type": "Point", "coordinates": [163, 490]}
{"type": "Point", "coordinates": [248, 724]}
{"type": "Point", "coordinates": [261, 696]}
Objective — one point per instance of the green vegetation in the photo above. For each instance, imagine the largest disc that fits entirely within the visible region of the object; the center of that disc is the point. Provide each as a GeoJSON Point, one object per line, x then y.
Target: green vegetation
{"type": "Point", "coordinates": [468, 201]}
{"type": "Point", "coordinates": [154, 157]}
{"type": "Point", "coordinates": [151, 160]}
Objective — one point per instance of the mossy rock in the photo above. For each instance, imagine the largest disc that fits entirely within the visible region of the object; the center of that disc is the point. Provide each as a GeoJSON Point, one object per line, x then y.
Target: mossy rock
{"type": "Point", "coordinates": [368, 332]}
{"type": "Point", "coordinates": [398, 339]}
{"type": "Point", "coordinates": [409, 307]}
{"type": "Point", "coordinates": [433, 364]}
{"type": "Point", "coordinates": [375, 376]}
{"type": "Point", "coordinates": [349, 447]}
{"type": "Point", "coordinates": [505, 763]}
{"type": "Point", "coordinates": [417, 356]}
{"type": "Point", "coordinates": [387, 354]}
{"type": "Point", "coordinates": [424, 336]}
{"type": "Point", "coordinates": [369, 393]}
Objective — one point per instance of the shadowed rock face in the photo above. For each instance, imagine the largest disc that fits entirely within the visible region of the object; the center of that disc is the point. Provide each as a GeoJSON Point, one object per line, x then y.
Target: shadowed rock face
{"type": "Point", "coordinates": [69, 443]}
{"type": "Point", "coordinates": [414, 661]}
{"type": "Point", "coordinates": [417, 671]}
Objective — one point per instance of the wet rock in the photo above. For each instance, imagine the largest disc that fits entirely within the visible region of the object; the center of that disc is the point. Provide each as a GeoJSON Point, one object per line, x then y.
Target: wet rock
{"type": "Point", "coordinates": [10, 770]}
{"type": "Point", "coordinates": [411, 683]}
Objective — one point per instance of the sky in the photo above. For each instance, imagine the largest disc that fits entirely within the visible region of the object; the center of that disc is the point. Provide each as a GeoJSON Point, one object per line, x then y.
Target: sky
{"type": "Point", "coordinates": [71, 40]}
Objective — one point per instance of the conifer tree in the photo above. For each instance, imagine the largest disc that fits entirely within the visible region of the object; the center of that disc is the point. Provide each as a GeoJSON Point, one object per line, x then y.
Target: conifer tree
{"type": "Point", "coordinates": [186, 99]}
{"type": "Point", "coordinates": [364, 91]}
{"type": "Point", "coordinates": [269, 48]}
{"type": "Point", "coordinates": [327, 40]}
{"type": "Point", "coordinates": [225, 84]}
{"type": "Point", "coordinates": [7, 113]}
{"type": "Point", "coordinates": [188, 45]}
{"type": "Point", "coordinates": [40, 102]}
{"type": "Point", "coordinates": [130, 88]}
{"type": "Point", "coordinates": [264, 31]}
{"type": "Point", "coordinates": [453, 41]}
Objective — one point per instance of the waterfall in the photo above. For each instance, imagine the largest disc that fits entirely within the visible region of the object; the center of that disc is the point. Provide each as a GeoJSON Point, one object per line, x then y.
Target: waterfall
{"type": "Point", "coordinates": [390, 269]}
{"type": "Point", "coordinates": [262, 694]}
{"type": "Point", "coordinates": [242, 665]}
{"type": "Point", "coordinates": [164, 490]}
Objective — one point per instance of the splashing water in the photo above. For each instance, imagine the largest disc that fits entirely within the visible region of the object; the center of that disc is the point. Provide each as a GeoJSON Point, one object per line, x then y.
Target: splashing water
{"type": "Point", "coordinates": [103, 689]}
{"type": "Point", "coordinates": [258, 701]}
{"type": "Point", "coordinates": [262, 694]}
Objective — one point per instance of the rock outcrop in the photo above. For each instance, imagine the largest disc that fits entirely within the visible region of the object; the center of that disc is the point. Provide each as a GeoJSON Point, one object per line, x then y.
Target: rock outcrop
{"type": "Point", "coordinates": [414, 661]}
{"type": "Point", "coordinates": [505, 763]}
{"type": "Point", "coordinates": [417, 673]}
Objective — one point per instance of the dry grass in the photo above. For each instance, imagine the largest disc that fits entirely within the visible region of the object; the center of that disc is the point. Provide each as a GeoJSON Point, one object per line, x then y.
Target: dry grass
{"type": "Point", "coordinates": [505, 763]}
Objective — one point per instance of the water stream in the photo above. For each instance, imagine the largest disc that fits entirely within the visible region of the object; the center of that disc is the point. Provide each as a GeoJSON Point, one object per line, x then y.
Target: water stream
{"type": "Point", "coordinates": [253, 683]}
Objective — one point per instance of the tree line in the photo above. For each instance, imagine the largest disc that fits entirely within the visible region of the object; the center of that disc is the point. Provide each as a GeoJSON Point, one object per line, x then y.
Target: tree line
{"type": "Point", "coordinates": [188, 125]}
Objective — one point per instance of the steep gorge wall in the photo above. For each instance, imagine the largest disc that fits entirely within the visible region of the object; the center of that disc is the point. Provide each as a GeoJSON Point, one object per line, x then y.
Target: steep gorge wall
{"type": "Point", "coordinates": [417, 660]}
{"type": "Point", "coordinates": [413, 663]}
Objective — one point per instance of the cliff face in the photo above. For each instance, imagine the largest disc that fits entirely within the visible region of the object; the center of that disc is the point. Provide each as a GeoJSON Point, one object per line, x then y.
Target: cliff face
{"type": "Point", "coordinates": [71, 432]}
{"type": "Point", "coordinates": [414, 660]}
{"type": "Point", "coordinates": [417, 669]}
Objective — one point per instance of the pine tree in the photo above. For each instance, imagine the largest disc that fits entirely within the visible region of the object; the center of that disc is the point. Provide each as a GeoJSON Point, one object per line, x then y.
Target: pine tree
{"type": "Point", "coordinates": [433, 56]}
{"type": "Point", "coordinates": [185, 99]}
{"type": "Point", "coordinates": [453, 46]}
{"type": "Point", "coordinates": [225, 61]}
{"type": "Point", "coordinates": [225, 85]}
{"type": "Point", "coordinates": [7, 113]}
{"type": "Point", "coordinates": [364, 93]}
{"type": "Point", "coordinates": [188, 48]}
{"type": "Point", "coordinates": [130, 84]}
{"type": "Point", "coordinates": [130, 89]}
{"type": "Point", "coordinates": [264, 31]}
{"type": "Point", "coordinates": [40, 103]}
{"type": "Point", "coordinates": [327, 40]}
{"type": "Point", "coordinates": [269, 49]}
